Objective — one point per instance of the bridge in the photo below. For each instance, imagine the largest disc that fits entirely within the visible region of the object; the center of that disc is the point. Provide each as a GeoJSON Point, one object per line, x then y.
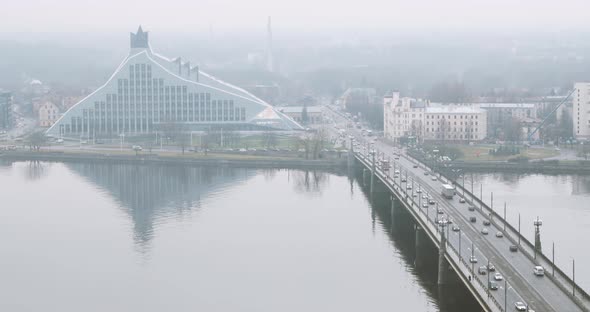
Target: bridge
{"type": "Point", "coordinates": [460, 242]}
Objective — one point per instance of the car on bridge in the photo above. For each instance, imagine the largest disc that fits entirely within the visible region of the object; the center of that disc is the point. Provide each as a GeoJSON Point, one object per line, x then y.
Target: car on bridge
{"type": "Point", "coordinates": [424, 205]}
{"type": "Point", "coordinates": [482, 270]}
{"type": "Point", "coordinates": [433, 178]}
{"type": "Point", "coordinates": [409, 187]}
{"type": "Point", "coordinates": [404, 179]}
{"type": "Point", "coordinates": [493, 285]}
{"type": "Point", "coordinates": [473, 259]}
{"type": "Point", "coordinates": [498, 277]}
{"type": "Point", "coordinates": [440, 211]}
{"type": "Point", "coordinates": [426, 173]}
{"type": "Point", "coordinates": [471, 208]}
{"type": "Point", "coordinates": [431, 201]}
{"type": "Point", "coordinates": [418, 191]}
{"type": "Point", "coordinates": [491, 267]}
{"type": "Point", "coordinates": [461, 200]}
{"type": "Point", "coordinates": [513, 248]}
{"type": "Point", "coordinates": [486, 222]}
{"type": "Point", "coordinates": [538, 270]}
{"type": "Point", "coordinates": [520, 306]}
{"type": "Point", "coordinates": [499, 234]}
{"type": "Point", "coordinates": [484, 231]}
{"type": "Point", "coordinates": [456, 228]}
{"type": "Point", "coordinates": [472, 219]}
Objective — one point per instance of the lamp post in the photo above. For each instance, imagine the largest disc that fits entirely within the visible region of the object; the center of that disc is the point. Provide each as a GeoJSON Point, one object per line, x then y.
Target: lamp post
{"type": "Point", "coordinates": [537, 223]}
{"type": "Point", "coordinates": [122, 136]}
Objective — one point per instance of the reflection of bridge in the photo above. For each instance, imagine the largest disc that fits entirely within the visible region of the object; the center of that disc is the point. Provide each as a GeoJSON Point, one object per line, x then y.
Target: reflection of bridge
{"type": "Point", "coordinates": [554, 292]}
{"type": "Point", "coordinates": [150, 193]}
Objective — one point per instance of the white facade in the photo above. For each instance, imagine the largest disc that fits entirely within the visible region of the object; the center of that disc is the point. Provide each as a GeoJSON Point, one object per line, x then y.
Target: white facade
{"type": "Point", "coordinates": [455, 123]}
{"type": "Point", "coordinates": [408, 117]}
{"type": "Point", "coordinates": [581, 110]}
{"type": "Point", "coordinates": [48, 114]}
{"type": "Point", "coordinates": [148, 91]}
{"type": "Point", "coordinates": [403, 117]}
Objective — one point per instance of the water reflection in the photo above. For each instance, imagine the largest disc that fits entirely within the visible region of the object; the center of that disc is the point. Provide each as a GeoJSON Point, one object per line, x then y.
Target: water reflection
{"type": "Point", "coordinates": [149, 194]}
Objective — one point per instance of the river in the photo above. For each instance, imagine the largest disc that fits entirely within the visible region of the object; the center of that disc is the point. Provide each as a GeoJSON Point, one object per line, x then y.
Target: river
{"type": "Point", "coordinates": [100, 237]}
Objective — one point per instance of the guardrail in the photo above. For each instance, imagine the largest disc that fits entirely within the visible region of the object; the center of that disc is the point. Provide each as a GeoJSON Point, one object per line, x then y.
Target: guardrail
{"type": "Point", "coordinates": [582, 299]}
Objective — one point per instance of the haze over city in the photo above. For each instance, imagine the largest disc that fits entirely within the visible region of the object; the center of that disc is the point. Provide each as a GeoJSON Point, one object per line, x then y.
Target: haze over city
{"type": "Point", "coordinates": [303, 155]}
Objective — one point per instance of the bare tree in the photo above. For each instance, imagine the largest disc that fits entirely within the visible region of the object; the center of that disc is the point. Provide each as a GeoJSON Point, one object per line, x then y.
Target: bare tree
{"type": "Point", "coordinates": [36, 140]}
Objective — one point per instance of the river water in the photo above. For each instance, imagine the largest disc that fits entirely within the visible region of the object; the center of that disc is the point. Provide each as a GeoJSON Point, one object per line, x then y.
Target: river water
{"type": "Point", "coordinates": [98, 237]}
{"type": "Point", "coordinates": [562, 202]}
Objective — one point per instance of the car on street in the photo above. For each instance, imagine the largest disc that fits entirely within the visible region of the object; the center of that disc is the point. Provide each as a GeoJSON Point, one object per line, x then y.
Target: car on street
{"type": "Point", "coordinates": [538, 270]}
{"type": "Point", "coordinates": [424, 205]}
{"type": "Point", "coordinates": [404, 180]}
{"type": "Point", "coordinates": [493, 285]}
{"type": "Point", "coordinates": [440, 211]}
{"type": "Point", "coordinates": [431, 201]}
{"type": "Point", "coordinates": [472, 219]}
{"type": "Point", "coordinates": [486, 222]}
{"type": "Point", "coordinates": [461, 200]}
{"type": "Point", "coordinates": [433, 178]}
{"type": "Point", "coordinates": [426, 173]}
{"type": "Point", "coordinates": [424, 196]}
{"type": "Point", "coordinates": [484, 231]}
{"type": "Point", "coordinates": [499, 234]}
{"type": "Point", "coordinates": [473, 259]}
{"type": "Point", "coordinates": [491, 267]}
{"type": "Point", "coordinates": [471, 208]}
{"type": "Point", "coordinates": [513, 248]}
{"type": "Point", "coordinates": [482, 270]}
{"type": "Point", "coordinates": [415, 195]}
{"type": "Point", "coordinates": [409, 187]}
{"type": "Point", "coordinates": [456, 228]}
{"type": "Point", "coordinates": [418, 191]}
{"type": "Point", "coordinates": [520, 306]}
{"type": "Point", "coordinates": [415, 166]}
{"type": "Point", "coordinates": [498, 277]}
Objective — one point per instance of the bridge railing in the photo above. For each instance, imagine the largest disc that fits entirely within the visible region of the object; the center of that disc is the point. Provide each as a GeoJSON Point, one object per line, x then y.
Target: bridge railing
{"type": "Point", "coordinates": [561, 279]}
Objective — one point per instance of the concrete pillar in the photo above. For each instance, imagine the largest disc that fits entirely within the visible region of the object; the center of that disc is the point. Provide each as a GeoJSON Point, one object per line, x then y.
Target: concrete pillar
{"type": "Point", "coordinates": [373, 172]}
{"type": "Point", "coordinates": [418, 261]}
{"type": "Point", "coordinates": [442, 263]}
{"type": "Point", "coordinates": [364, 176]}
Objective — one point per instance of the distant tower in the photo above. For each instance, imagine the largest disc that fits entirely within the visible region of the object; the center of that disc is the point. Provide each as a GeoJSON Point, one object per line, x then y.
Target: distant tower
{"type": "Point", "coordinates": [139, 39]}
{"type": "Point", "coordinates": [269, 57]}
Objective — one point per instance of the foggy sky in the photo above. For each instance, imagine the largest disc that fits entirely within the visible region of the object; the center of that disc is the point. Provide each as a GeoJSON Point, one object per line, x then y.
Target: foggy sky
{"type": "Point", "coordinates": [200, 15]}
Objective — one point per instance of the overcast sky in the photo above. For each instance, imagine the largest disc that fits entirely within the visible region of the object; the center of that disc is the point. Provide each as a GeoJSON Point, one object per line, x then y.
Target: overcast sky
{"type": "Point", "coordinates": [198, 15]}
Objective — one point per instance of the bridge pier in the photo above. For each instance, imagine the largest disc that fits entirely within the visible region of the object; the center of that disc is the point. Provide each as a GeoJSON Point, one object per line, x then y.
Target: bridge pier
{"type": "Point", "coordinates": [351, 155]}
{"type": "Point", "coordinates": [372, 172]}
{"type": "Point", "coordinates": [364, 176]}
{"type": "Point", "coordinates": [418, 260]}
{"type": "Point", "coordinates": [442, 263]}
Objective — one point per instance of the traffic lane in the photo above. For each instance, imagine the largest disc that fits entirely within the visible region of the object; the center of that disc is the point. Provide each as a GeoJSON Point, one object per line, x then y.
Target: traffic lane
{"type": "Point", "coordinates": [484, 252]}
{"type": "Point", "coordinates": [518, 263]}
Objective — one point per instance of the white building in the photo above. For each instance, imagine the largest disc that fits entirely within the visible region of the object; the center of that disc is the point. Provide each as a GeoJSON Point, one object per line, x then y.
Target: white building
{"type": "Point", "coordinates": [148, 91]}
{"type": "Point", "coordinates": [581, 110]}
{"type": "Point", "coordinates": [425, 121]}
{"type": "Point", "coordinates": [459, 123]}
{"type": "Point", "coordinates": [403, 117]}
{"type": "Point", "coordinates": [48, 114]}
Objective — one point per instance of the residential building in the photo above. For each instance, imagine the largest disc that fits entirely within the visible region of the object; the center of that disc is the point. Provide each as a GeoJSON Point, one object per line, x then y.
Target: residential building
{"type": "Point", "coordinates": [314, 113]}
{"type": "Point", "coordinates": [5, 110]}
{"type": "Point", "coordinates": [149, 91]}
{"type": "Point", "coordinates": [48, 114]}
{"type": "Point", "coordinates": [457, 123]}
{"type": "Point", "coordinates": [581, 110]}
{"type": "Point", "coordinates": [403, 117]}
{"type": "Point", "coordinates": [425, 121]}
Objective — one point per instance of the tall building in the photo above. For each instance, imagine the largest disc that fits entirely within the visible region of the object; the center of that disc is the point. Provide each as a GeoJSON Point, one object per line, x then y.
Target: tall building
{"type": "Point", "coordinates": [149, 91]}
{"type": "Point", "coordinates": [581, 111]}
{"type": "Point", "coordinates": [425, 121]}
{"type": "Point", "coordinates": [5, 110]}
{"type": "Point", "coordinates": [498, 114]}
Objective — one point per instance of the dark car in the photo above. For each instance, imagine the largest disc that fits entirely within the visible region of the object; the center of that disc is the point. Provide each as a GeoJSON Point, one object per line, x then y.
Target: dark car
{"type": "Point", "coordinates": [473, 219]}
{"type": "Point", "coordinates": [471, 208]}
{"type": "Point", "coordinates": [513, 248]}
{"type": "Point", "coordinates": [493, 285]}
{"type": "Point", "coordinates": [486, 222]}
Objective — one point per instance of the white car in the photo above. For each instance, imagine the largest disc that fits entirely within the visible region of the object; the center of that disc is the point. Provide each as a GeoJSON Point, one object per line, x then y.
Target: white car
{"type": "Point", "coordinates": [539, 271]}
{"type": "Point", "coordinates": [499, 234]}
{"type": "Point", "coordinates": [433, 178]}
{"type": "Point", "coordinates": [462, 200]}
{"type": "Point", "coordinates": [520, 306]}
{"type": "Point", "coordinates": [498, 277]}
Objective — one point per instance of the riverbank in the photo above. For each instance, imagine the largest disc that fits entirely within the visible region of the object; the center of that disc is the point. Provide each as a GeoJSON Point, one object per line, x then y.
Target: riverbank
{"type": "Point", "coordinates": [187, 159]}
{"type": "Point", "coordinates": [541, 166]}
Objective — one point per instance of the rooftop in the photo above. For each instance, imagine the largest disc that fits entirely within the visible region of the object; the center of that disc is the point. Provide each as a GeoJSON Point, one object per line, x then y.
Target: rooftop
{"type": "Point", "coordinates": [453, 109]}
{"type": "Point", "coordinates": [506, 105]}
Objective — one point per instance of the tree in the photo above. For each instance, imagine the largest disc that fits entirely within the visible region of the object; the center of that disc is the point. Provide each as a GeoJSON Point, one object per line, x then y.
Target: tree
{"type": "Point", "coordinates": [513, 130]}
{"type": "Point", "coordinates": [269, 139]}
{"type": "Point", "coordinates": [304, 115]}
{"type": "Point", "coordinates": [36, 139]}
